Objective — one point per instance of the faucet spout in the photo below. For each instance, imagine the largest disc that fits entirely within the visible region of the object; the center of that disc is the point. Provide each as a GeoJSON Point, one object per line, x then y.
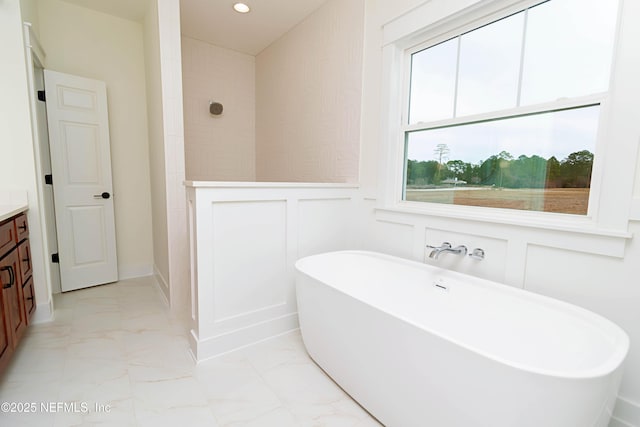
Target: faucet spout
{"type": "Point", "coordinates": [446, 248]}
{"type": "Point", "coordinates": [435, 250]}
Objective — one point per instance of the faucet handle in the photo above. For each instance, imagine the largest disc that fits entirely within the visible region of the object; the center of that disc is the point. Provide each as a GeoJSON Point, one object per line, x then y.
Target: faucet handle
{"type": "Point", "coordinates": [477, 254]}
{"type": "Point", "coordinates": [444, 245]}
{"type": "Point", "coordinates": [461, 250]}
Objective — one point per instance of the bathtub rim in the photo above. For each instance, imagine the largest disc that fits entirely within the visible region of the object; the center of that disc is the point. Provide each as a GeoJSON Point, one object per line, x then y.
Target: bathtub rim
{"type": "Point", "coordinates": [620, 342]}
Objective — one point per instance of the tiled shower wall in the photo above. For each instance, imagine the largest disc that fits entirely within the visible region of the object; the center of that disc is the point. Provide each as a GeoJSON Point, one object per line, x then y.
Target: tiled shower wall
{"type": "Point", "coordinates": [218, 148]}
{"type": "Point", "coordinates": [291, 113]}
{"type": "Point", "coordinates": [308, 93]}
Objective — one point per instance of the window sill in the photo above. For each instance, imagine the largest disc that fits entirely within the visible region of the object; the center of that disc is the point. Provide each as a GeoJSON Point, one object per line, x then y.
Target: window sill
{"type": "Point", "coordinates": [533, 220]}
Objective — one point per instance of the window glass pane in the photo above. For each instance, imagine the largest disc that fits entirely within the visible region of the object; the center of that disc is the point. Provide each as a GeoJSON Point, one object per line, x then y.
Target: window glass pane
{"type": "Point", "coordinates": [490, 67]}
{"type": "Point", "coordinates": [538, 162]}
{"type": "Point", "coordinates": [433, 82]}
{"type": "Point", "coordinates": [568, 49]}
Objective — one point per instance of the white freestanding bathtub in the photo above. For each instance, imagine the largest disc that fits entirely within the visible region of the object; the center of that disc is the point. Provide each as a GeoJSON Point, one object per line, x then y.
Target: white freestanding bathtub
{"type": "Point", "coordinates": [420, 346]}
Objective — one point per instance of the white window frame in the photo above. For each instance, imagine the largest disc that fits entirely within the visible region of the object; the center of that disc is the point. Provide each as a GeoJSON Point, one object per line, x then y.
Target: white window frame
{"type": "Point", "coordinates": [618, 136]}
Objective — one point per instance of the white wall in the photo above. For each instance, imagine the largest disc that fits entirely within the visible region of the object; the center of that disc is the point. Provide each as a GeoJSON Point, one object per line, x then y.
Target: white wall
{"type": "Point", "coordinates": [173, 134]}
{"type": "Point", "coordinates": [598, 272]}
{"type": "Point", "coordinates": [218, 148]}
{"type": "Point", "coordinates": [308, 90]}
{"type": "Point", "coordinates": [17, 168]}
{"type": "Point", "coordinates": [157, 168]}
{"type": "Point", "coordinates": [30, 14]}
{"type": "Point", "coordinates": [91, 44]}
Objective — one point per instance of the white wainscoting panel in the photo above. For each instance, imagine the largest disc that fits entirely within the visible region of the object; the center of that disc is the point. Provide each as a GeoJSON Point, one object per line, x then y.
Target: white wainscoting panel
{"type": "Point", "coordinates": [244, 241]}
{"type": "Point", "coordinates": [393, 238]}
{"type": "Point", "coordinates": [492, 267]}
{"type": "Point", "coordinates": [252, 230]}
{"type": "Point", "coordinates": [324, 225]}
{"type": "Point", "coordinates": [388, 237]}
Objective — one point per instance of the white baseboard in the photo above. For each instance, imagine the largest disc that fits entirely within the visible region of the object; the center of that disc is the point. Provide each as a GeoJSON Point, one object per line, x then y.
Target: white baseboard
{"type": "Point", "coordinates": [133, 271]}
{"type": "Point", "coordinates": [210, 347]}
{"type": "Point", "coordinates": [162, 285]}
{"type": "Point", "coordinates": [43, 313]}
{"type": "Point", "coordinates": [634, 213]}
{"type": "Point", "coordinates": [625, 414]}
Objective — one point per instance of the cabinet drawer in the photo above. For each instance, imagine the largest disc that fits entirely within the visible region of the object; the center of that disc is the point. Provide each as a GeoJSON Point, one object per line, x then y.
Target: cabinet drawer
{"type": "Point", "coordinates": [7, 237]}
{"type": "Point", "coordinates": [29, 298]}
{"type": "Point", "coordinates": [22, 227]}
{"type": "Point", "coordinates": [24, 254]}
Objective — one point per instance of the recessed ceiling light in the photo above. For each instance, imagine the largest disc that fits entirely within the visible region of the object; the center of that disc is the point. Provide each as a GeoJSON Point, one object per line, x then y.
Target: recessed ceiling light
{"type": "Point", "coordinates": [241, 8]}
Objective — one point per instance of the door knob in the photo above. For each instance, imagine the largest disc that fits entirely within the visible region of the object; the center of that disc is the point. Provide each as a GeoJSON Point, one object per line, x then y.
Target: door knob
{"type": "Point", "coordinates": [104, 195]}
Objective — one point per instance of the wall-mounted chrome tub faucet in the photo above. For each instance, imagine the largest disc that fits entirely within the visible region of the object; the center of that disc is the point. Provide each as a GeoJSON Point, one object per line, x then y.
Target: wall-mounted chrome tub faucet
{"type": "Point", "coordinates": [446, 248]}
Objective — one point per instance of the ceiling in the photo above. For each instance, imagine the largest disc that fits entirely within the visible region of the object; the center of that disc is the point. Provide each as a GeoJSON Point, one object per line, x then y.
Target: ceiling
{"type": "Point", "coordinates": [215, 21]}
{"type": "Point", "coordinates": [128, 9]}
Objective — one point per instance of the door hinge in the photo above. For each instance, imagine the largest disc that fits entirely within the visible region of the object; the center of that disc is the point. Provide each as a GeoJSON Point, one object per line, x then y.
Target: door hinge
{"type": "Point", "coordinates": [48, 179]}
{"type": "Point", "coordinates": [55, 258]}
{"type": "Point", "coordinates": [42, 96]}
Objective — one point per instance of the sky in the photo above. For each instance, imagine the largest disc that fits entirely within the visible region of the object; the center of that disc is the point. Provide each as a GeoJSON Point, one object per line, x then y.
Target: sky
{"type": "Point", "coordinates": [565, 50]}
{"type": "Point", "coordinates": [549, 134]}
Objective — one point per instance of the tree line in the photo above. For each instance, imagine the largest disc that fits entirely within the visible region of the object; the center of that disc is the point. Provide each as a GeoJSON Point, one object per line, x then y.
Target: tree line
{"type": "Point", "coordinates": [503, 170]}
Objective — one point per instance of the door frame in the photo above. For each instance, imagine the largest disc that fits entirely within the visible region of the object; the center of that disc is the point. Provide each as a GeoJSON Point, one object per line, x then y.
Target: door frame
{"type": "Point", "coordinates": [35, 58]}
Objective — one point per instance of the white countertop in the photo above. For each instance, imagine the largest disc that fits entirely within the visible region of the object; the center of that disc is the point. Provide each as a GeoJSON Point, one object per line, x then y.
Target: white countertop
{"type": "Point", "coordinates": [12, 203]}
{"type": "Point", "coordinates": [7, 211]}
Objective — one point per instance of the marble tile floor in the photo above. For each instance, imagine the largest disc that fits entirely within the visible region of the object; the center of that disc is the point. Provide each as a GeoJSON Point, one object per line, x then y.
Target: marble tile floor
{"type": "Point", "coordinates": [115, 356]}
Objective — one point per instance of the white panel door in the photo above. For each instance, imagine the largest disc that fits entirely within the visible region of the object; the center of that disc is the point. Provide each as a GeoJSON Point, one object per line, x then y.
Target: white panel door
{"type": "Point", "coordinates": [81, 168]}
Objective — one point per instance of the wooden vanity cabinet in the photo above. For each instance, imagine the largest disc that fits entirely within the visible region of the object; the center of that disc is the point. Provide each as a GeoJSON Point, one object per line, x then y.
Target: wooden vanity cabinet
{"type": "Point", "coordinates": [6, 342]}
{"type": "Point", "coordinates": [22, 227]}
{"type": "Point", "coordinates": [12, 296]}
{"type": "Point", "coordinates": [8, 237]}
{"type": "Point", "coordinates": [26, 268]}
{"type": "Point", "coordinates": [24, 257]}
{"type": "Point", "coordinates": [29, 294]}
{"type": "Point", "coordinates": [17, 296]}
